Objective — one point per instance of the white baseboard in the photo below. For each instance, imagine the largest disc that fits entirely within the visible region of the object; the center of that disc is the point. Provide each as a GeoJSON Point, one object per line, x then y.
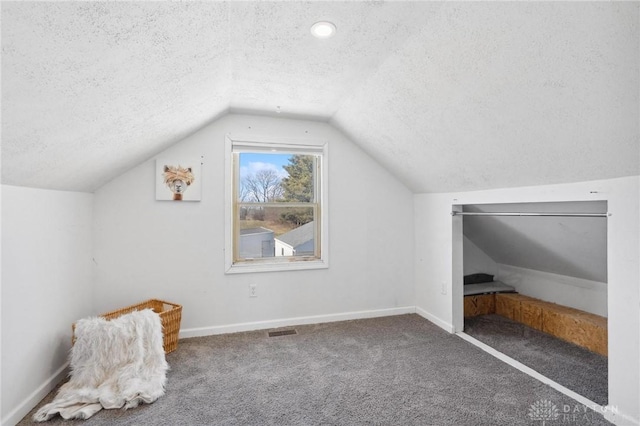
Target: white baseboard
{"type": "Point", "coordinates": [610, 413]}
{"type": "Point", "coordinates": [531, 372]}
{"type": "Point", "coordinates": [286, 322]}
{"type": "Point", "coordinates": [27, 405]}
{"type": "Point", "coordinates": [448, 327]}
{"type": "Point", "coordinates": [618, 418]}
{"type": "Point", "coordinates": [32, 400]}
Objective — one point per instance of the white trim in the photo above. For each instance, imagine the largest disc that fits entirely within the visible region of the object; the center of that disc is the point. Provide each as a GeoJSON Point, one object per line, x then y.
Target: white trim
{"type": "Point", "coordinates": [285, 322]}
{"type": "Point", "coordinates": [249, 142]}
{"type": "Point", "coordinates": [255, 143]}
{"type": "Point", "coordinates": [607, 411]}
{"type": "Point", "coordinates": [36, 396]}
{"type": "Point", "coordinates": [448, 327]}
{"type": "Point", "coordinates": [618, 418]}
{"type": "Point", "coordinates": [279, 265]}
{"type": "Point", "coordinates": [228, 202]}
{"type": "Point", "coordinates": [610, 413]}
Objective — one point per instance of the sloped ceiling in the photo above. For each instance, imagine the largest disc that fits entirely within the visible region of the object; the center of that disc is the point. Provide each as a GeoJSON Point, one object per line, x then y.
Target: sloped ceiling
{"type": "Point", "coordinates": [448, 96]}
{"type": "Point", "coordinates": [572, 246]}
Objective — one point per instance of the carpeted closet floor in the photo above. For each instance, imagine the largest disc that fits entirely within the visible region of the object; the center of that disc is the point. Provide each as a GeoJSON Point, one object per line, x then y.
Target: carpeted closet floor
{"type": "Point", "coordinates": [576, 368]}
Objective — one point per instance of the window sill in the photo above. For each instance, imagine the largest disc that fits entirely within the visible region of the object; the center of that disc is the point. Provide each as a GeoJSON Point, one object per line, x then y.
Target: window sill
{"type": "Point", "coordinates": [252, 267]}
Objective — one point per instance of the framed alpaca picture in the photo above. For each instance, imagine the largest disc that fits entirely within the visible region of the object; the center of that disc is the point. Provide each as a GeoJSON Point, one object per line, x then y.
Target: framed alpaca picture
{"type": "Point", "coordinates": [179, 179]}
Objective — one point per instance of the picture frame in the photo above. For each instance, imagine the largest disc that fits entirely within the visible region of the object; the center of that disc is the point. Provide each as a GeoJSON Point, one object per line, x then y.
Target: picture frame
{"type": "Point", "coordinates": [178, 179]}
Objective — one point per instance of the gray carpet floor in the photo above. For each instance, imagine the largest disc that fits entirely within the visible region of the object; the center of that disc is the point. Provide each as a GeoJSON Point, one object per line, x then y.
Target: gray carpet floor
{"type": "Point", "coordinates": [400, 370]}
{"type": "Point", "coordinates": [576, 368]}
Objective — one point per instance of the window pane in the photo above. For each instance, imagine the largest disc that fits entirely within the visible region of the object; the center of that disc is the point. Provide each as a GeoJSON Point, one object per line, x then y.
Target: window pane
{"type": "Point", "coordinates": [265, 178]}
{"type": "Point", "coordinates": [276, 231]}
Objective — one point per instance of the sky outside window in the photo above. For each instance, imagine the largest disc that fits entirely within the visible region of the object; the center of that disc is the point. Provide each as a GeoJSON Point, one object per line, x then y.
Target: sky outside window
{"type": "Point", "coordinates": [251, 162]}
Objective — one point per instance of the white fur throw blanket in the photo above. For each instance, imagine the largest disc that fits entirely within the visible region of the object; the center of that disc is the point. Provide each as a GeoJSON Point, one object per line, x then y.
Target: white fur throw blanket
{"type": "Point", "coordinates": [114, 364]}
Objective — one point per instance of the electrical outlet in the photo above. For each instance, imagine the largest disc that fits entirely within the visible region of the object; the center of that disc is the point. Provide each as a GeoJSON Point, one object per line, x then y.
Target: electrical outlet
{"type": "Point", "coordinates": [443, 289]}
{"type": "Point", "coordinates": [252, 290]}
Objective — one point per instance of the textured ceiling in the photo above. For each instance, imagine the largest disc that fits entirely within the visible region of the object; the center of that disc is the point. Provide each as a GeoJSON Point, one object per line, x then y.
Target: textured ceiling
{"type": "Point", "coordinates": [448, 96]}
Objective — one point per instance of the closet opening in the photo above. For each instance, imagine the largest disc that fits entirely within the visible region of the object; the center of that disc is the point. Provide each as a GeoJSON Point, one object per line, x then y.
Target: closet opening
{"type": "Point", "coordinates": [530, 281]}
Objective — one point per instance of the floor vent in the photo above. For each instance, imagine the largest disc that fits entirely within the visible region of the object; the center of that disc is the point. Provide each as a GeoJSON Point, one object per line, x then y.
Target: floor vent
{"type": "Point", "coordinates": [282, 333]}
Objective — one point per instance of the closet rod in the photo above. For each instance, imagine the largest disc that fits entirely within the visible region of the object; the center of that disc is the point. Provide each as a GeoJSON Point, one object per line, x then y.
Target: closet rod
{"type": "Point", "coordinates": [529, 214]}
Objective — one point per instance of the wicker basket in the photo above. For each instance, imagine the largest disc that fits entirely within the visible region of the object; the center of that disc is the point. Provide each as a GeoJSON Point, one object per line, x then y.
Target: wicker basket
{"type": "Point", "coordinates": [170, 315]}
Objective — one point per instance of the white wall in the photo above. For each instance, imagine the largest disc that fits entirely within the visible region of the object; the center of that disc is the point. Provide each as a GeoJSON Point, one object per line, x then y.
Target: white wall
{"type": "Point", "coordinates": [434, 267]}
{"type": "Point", "coordinates": [46, 286]}
{"type": "Point", "coordinates": [573, 246]}
{"type": "Point", "coordinates": [477, 261]}
{"type": "Point", "coordinates": [587, 295]}
{"type": "Point", "coordinates": [175, 251]}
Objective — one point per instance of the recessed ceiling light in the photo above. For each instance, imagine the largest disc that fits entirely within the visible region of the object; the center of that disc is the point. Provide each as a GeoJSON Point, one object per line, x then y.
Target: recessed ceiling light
{"type": "Point", "coordinates": [323, 29]}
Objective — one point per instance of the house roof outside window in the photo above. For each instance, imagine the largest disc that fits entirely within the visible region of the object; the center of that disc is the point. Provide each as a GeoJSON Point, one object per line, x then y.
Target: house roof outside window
{"type": "Point", "coordinates": [300, 235]}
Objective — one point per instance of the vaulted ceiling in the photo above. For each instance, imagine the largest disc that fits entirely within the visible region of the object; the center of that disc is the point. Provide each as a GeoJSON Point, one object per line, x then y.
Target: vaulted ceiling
{"type": "Point", "coordinates": [448, 96]}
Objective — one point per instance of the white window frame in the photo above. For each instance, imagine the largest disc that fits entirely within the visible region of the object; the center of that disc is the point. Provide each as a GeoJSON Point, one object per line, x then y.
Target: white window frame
{"type": "Point", "coordinates": [239, 143]}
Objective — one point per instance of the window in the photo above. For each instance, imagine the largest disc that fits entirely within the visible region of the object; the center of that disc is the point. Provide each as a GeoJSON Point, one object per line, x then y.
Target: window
{"type": "Point", "coordinates": [276, 205]}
